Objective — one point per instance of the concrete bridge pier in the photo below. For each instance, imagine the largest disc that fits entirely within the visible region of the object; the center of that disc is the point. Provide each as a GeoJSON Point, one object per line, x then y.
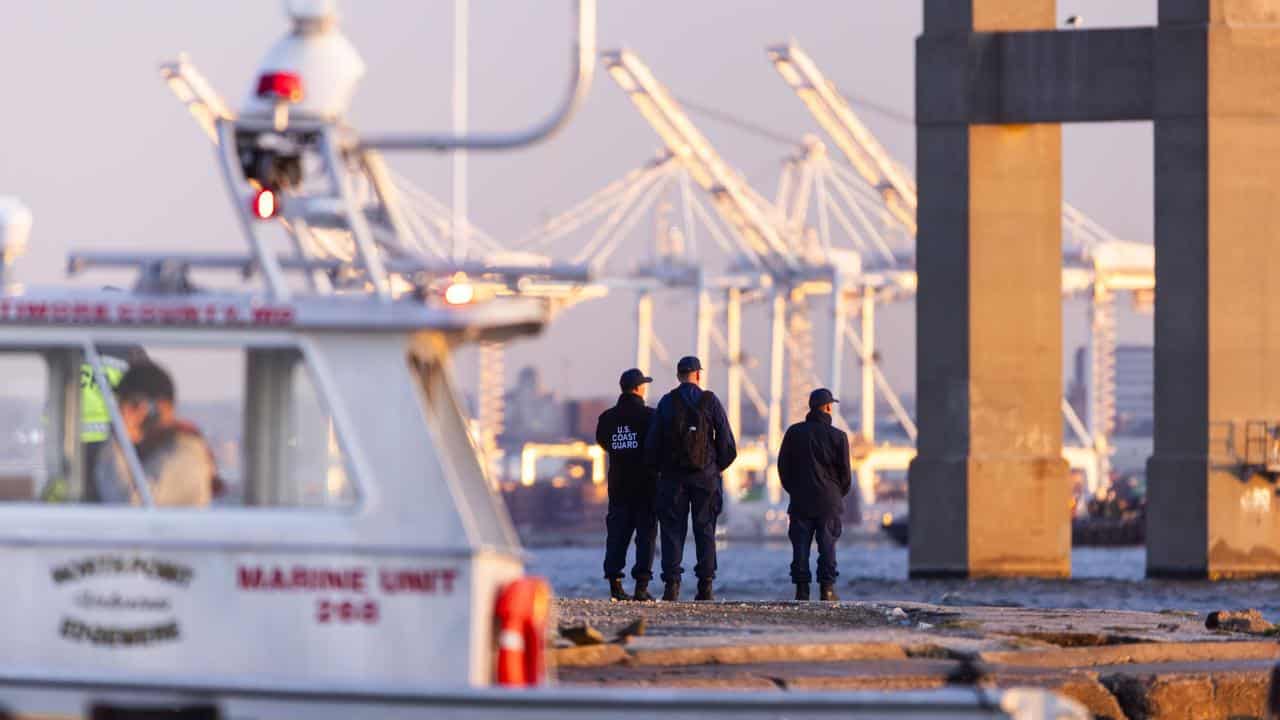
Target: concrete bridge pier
{"type": "Point", "coordinates": [1217, 315]}
{"type": "Point", "coordinates": [989, 489]}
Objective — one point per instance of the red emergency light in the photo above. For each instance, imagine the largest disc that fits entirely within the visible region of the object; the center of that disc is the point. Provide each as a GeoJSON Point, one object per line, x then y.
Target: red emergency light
{"type": "Point", "coordinates": [283, 86]}
{"type": "Point", "coordinates": [265, 204]}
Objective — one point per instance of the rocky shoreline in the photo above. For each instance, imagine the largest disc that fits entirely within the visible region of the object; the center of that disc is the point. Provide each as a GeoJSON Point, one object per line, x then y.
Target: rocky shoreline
{"type": "Point", "coordinates": [1120, 664]}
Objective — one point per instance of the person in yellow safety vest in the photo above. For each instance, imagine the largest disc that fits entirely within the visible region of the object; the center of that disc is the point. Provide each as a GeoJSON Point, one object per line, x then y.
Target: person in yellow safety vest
{"type": "Point", "coordinates": [95, 420]}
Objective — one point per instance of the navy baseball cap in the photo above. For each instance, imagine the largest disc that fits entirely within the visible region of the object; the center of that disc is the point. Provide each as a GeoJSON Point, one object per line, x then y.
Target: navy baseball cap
{"type": "Point", "coordinates": [820, 397]}
{"type": "Point", "coordinates": [633, 379]}
{"type": "Point", "coordinates": [688, 364]}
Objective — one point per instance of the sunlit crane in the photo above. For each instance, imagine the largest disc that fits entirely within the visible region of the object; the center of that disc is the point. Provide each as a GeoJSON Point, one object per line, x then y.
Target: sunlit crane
{"type": "Point", "coordinates": [1097, 263]}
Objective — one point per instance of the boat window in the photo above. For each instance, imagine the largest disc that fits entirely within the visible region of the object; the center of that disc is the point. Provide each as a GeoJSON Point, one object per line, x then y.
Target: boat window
{"type": "Point", "coordinates": [272, 436]}
{"type": "Point", "coordinates": [33, 457]}
{"type": "Point", "coordinates": [292, 448]}
{"type": "Point", "coordinates": [244, 429]}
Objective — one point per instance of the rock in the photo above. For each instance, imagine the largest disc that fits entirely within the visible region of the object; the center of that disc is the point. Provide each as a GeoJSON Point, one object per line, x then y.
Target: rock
{"type": "Point", "coordinates": [1136, 653]}
{"type": "Point", "coordinates": [1083, 687]}
{"type": "Point", "coordinates": [747, 653]}
{"type": "Point", "coordinates": [934, 651]}
{"type": "Point", "coordinates": [635, 628]}
{"type": "Point", "coordinates": [898, 613]}
{"type": "Point", "coordinates": [1092, 695]}
{"type": "Point", "coordinates": [582, 635]}
{"type": "Point", "coordinates": [589, 656]}
{"type": "Point", "coordinates": [1243, 621]}
{"type": "Point", "coordinates": [1210, 694]}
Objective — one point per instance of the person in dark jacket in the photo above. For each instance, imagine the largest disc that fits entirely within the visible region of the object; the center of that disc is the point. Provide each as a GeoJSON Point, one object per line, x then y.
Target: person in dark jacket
{"type": "Point", "coordinates": [632, 484]}
{"type": "Point", "coordinates": [813, 464]}
{"type": "Point", "coordinates": [690, 443]}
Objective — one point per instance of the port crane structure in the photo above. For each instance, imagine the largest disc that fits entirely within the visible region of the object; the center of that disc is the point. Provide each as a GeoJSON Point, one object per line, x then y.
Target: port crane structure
{"type": "Point", "coordinates": [846, 232]}
{"type": "Point", "coordinates": [1097, 264]}
{"type": "Point", "coordinates": [787, 252]}
{"type": "Point", "coordinates": [770, 253]}
{"type": "Point", "coordinates": [835, 242]}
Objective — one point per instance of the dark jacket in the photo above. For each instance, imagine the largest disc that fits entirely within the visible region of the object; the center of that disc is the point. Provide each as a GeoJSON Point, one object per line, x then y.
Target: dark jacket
{"type": "Point", "coordinates": [621, 431]}
{"type": "Point", "coordinates": [725, 450]}
{"type": "Point", "coordinates": [813, 464]}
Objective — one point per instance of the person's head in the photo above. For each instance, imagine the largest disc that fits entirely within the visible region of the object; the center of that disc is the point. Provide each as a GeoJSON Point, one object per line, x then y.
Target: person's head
{"type": "Point", "coordinates": [634, 381]}
{"type": "Point", "coordinates": [146, 399]}
{"type": "Point", "coordinates": [822, 400]}
{"type": "Point", "coordinates": [689, 370]}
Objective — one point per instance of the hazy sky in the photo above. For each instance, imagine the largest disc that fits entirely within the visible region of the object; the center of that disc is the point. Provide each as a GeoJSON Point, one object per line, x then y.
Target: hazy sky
{"type": "Point", "coordinates": [95, 144]}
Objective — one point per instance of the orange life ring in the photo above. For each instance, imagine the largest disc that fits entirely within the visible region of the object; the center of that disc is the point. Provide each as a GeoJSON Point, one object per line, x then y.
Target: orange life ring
{"type": "Point", "coordinates": [520, 631]}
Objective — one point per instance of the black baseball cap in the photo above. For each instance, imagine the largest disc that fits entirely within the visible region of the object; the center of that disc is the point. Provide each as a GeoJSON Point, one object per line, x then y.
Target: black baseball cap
{"type": "Point", "coordinates": [820, 397]}
{"type": "Point", "coordinates": [688, 364]}
{"type": "Point", "coordinates": [145, 381]}
{"type": "Point", "coordinates": [633, 379]}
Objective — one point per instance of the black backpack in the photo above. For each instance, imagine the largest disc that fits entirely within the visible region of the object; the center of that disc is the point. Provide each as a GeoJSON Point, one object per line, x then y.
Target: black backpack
{"type": "Point", "coordinates": [689, 434]}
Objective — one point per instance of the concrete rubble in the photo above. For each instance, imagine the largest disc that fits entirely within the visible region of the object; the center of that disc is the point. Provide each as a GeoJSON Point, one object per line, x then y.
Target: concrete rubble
{"type": "Point", "coordinates": [1123, 665]}
{"type": "Point", "coordinates": [1246, 621]}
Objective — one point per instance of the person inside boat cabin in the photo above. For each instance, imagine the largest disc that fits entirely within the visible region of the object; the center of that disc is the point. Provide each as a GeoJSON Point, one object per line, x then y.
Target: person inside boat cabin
{"type": "Point", "coordinates": [175, 458]}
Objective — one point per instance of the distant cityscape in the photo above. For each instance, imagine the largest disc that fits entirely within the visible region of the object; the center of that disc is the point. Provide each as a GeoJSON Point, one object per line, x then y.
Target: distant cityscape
{"type": "Point", "coordinates": [1134, 398]}
{"type": "Point", "coordinates": [534, 413]}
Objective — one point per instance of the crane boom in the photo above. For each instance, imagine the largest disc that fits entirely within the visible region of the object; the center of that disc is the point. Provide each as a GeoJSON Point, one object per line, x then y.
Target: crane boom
{"type": "Point", "coordinates": [759, 225]}
{"type": "Point", "coordinates": [834, 114]}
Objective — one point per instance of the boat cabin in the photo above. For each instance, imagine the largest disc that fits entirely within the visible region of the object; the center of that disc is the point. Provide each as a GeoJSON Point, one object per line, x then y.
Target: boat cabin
{"type": "Point", "coordinates": [353, 538]}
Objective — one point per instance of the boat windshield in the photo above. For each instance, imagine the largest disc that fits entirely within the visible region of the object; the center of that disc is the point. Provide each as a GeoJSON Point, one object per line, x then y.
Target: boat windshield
{"type": "Point", "coordinates": [207, 426]}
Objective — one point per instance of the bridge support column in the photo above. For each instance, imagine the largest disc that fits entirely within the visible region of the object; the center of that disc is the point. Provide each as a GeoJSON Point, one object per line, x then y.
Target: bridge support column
{"type": "Point", "coordinates": [1217, 349]}
{"type": "Point", "coordinates": [989, 490]}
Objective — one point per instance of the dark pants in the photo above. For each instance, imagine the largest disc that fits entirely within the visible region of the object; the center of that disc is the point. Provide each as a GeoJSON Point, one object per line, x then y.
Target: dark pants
{"type": "Point", "coordinates": [802, 532]}
{"type": "Point", "coordinates": [627, 517]}
{"type": "Point", "coordinates": [676, 502]}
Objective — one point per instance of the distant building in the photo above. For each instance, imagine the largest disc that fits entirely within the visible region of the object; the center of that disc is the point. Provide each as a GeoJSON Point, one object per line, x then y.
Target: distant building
{"type": "Point", "coordinates": [1135, 383]}
{"type": "Point", "coordinates": [532, 414]}
{"type": "Point", "coordinates": [1078, 388]}
{"type": "Point", "coordinates": [752, 423]}
{"type": "Point", "coordinates": [583, 415]}
{"type": "Point", "coordinates": [1129, 454]}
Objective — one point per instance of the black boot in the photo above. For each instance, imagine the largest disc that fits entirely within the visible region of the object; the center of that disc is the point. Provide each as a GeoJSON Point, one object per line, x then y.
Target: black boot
{"type": "Point", "coordinates": [642, 592]}
{"type": "Point", "coordinates": [802, 591]}
{"type": "Point", "coordinates": [827, 592]}
{"type": "Point", "coordinates": [616, 592]}
{"type": "Point", "coordinates": [671, 593]}
{"type": "Point", "coordinates": [704, 590]}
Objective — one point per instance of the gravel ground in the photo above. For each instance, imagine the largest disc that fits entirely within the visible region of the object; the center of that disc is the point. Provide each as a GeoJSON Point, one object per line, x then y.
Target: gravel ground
{"type": "Point", "coordinates": [689, 619]}
{"type": "Point", "coordinates": [730, 621]}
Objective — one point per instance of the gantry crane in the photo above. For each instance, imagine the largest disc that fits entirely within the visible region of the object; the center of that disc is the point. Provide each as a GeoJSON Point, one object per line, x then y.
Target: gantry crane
{"type": "Point", "coordinates": [1099, 265]}
{"type": "Point", "coordinates": [775, 243]}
